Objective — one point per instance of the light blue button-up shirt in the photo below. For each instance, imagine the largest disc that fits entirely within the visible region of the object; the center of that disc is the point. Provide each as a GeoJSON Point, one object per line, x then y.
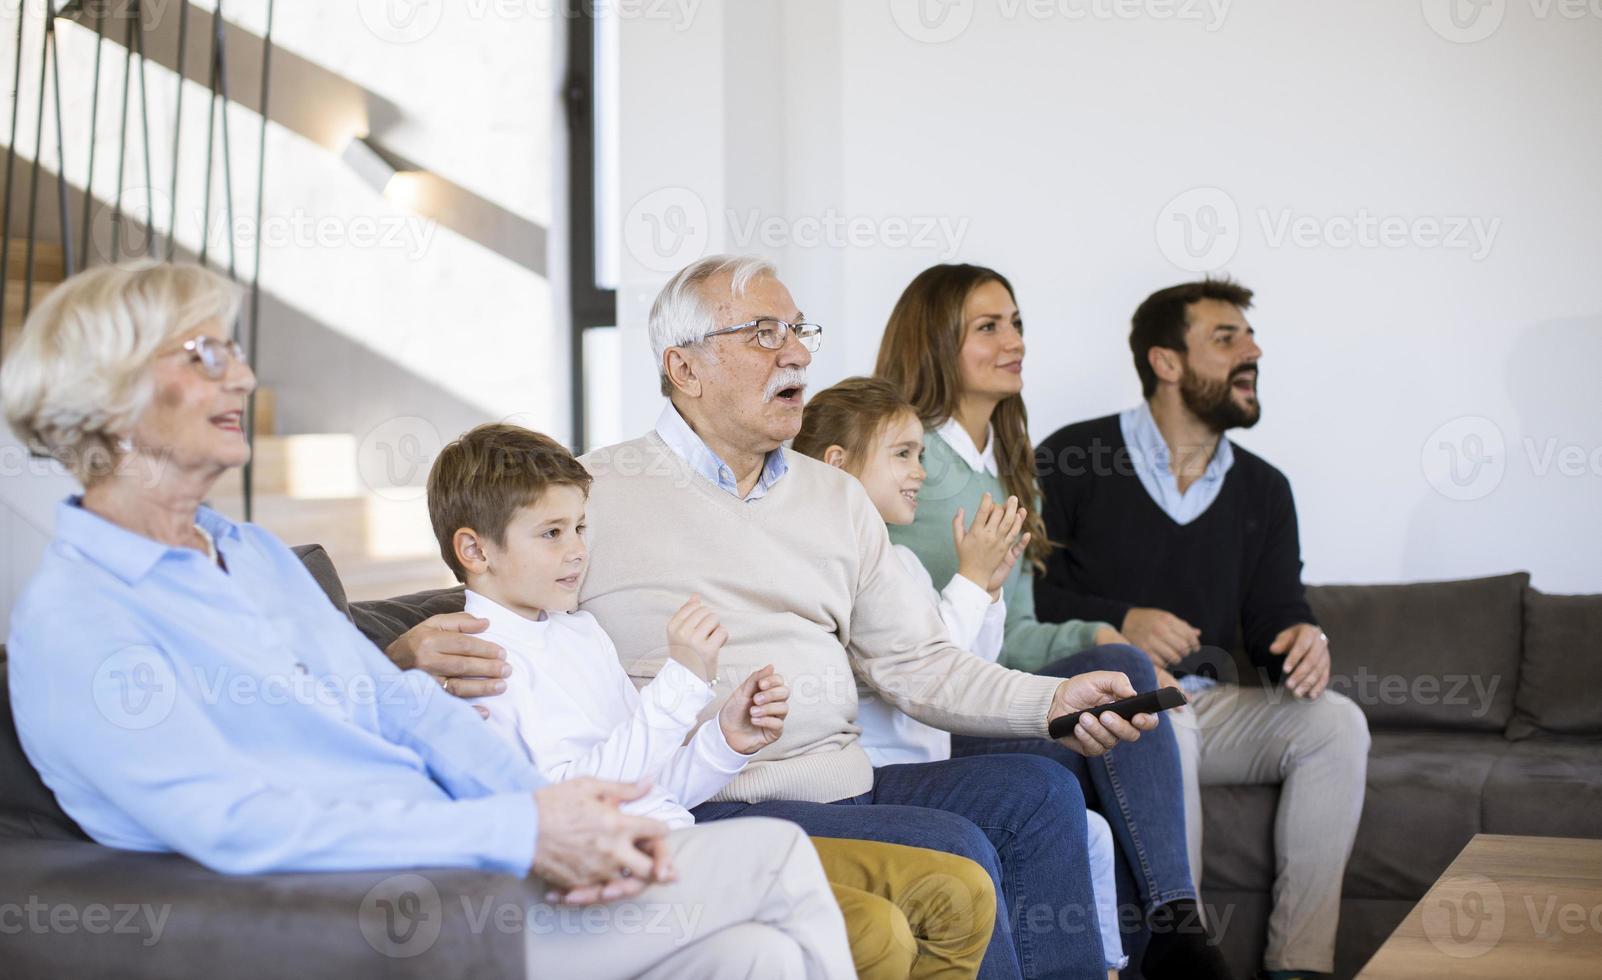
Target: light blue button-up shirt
{"type": "Point", "coordinates": [238, 718]}
{"type": "Point", "coordinates": [693, 450]}
{"type": "Point", "coordinates": [1148, 452]}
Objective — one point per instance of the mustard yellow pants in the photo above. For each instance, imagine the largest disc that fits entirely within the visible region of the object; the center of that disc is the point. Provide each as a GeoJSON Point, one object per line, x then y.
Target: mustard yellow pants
{"type": "Point", "coordinates": [909, 911]}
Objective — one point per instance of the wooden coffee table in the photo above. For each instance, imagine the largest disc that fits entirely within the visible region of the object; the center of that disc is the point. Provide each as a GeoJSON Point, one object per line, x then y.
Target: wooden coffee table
{"type": "Point", "coordinates": [1507, 907]}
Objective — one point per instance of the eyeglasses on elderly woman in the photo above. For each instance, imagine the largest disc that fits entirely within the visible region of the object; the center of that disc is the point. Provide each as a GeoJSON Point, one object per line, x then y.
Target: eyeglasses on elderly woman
{"type": "Point", "coordinates": [213, 356]}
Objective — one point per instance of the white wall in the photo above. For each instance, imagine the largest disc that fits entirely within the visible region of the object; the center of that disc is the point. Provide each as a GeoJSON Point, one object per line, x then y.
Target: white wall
{"type": "Point", "coordinates": [1058, 141]}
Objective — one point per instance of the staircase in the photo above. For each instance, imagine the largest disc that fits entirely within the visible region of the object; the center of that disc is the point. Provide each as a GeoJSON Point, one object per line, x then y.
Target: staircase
{"type": "Point", "coordinates": [308, 486]}
{"type": "Point", "coordinates": [49, 268]}
{"type": "Point", "coordinates": [308, 490]}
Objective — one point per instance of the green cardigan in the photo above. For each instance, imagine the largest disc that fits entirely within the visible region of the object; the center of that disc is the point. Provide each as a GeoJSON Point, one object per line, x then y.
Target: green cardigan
{"type": "Point", "coordinates": [1029, 644]}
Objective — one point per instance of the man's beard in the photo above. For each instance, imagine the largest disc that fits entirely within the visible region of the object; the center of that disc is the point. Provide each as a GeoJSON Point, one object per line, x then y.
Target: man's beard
{"type": "Point", "coordinates": [1213, 402]}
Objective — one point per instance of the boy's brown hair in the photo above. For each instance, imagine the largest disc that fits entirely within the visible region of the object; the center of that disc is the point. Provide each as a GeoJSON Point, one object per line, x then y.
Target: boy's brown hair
{"type": "Point", "coordinates": [849, 415]}
{"type": "Point", "coordinates": [483, 478]}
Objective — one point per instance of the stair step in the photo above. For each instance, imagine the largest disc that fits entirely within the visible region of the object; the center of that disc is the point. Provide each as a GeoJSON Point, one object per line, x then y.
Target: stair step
{"type": "Point", "coordinates": [351, 528]}
{"type": "Point", "coordinates": [49, 262]}
{"type": "Point", "coordinates": [339, 525]}
{"type": "Point", "coordinates": [11, 324]}
{"type": "Point", "coordinates": [266, 411]}
{"type": "Point", "coordinates": [309, 466]}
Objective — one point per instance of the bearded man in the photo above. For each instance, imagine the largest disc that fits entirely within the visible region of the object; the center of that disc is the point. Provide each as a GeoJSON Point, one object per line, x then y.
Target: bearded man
{"type": "Point", "coordinates": [1185, 540]}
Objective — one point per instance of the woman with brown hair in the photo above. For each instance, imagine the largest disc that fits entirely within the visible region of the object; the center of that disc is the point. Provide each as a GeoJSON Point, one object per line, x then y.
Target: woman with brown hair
{"type": "Point", "coordinates": [954, 347]}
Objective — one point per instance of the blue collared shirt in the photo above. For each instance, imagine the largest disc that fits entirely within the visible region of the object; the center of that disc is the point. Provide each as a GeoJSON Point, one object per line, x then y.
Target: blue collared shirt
{"type": "Point", "coordinates": [238, 718]}
{"type": "Point", "coordinates": [1149, 453]}
{"type": "Point", "coordinates": [682, 440]}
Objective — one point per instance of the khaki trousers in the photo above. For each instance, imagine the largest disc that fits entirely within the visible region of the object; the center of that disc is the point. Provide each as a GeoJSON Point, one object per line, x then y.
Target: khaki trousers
{"type": "Point", "coordinates": [1317, 753]}
{"type": "Point", "coordinates": [751, 901]}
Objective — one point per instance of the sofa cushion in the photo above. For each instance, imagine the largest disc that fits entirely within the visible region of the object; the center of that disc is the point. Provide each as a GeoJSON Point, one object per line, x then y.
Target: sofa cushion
{"type": "Point", "coordinates": [27, 807]}
{"type": "Point", "coordinates": [380, 620]}
{"type": "Point", "coordinates": [383, 620]}
{"type": "Point", "coordinates": [180, 920]}
{"type": "Point", "coordinates": [1546, 788]}
{"type": "Point", "coordinates": [321, 566]}
{"type": "Point", "coordinates": [1238, 838]}
{"type": "Point", "coordinates": [1433, 655]}
{"type": "Point", "coordinates": [1422, 807]}
{"type": "Point", "coordinates": [1562, 671]}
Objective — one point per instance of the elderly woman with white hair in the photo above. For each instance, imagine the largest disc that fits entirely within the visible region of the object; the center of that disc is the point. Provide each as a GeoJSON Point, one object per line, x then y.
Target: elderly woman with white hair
{"type": "Point", "coordinates": [182, 683]}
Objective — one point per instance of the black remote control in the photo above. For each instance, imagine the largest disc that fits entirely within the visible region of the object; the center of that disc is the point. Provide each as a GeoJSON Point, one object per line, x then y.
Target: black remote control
{"type": "Point", "coordinates": [1149, 703]}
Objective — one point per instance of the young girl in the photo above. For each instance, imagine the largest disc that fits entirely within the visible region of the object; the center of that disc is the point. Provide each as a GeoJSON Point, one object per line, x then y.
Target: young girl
{"type": "Point", "coordinates": [863, 426]}
{"type": "Point", "coordinates": [954, 350]}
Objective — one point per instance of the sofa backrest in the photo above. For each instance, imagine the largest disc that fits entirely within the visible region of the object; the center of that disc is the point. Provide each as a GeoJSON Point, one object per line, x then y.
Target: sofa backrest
{"type": "Point", "coordinates": [27, 807]}
{"type": "Point", "coordinates": [1561, 676]}
{"type": "Point", "coordinates": [384, 620]}
{"type": "Point", "coordinates": [1427, 655]}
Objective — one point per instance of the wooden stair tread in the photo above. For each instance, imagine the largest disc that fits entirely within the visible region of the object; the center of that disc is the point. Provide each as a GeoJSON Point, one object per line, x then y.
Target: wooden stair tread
{"type": "Point", "coordinates": [49, 262]}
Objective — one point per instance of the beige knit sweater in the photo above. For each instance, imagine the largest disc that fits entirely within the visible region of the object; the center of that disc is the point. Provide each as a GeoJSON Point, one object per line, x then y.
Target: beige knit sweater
{"type": "Point", "coordinates": [803, 578]}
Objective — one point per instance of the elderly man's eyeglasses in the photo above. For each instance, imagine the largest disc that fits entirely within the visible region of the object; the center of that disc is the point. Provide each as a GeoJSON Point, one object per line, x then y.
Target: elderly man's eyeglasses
{"type": "Point", "coordinates": [214, 355]}
{"type": "Point", "coordinates": [772, 334]}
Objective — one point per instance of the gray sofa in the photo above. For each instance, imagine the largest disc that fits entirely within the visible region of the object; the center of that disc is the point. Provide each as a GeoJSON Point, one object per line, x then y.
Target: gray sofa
{"type": "Point", "coordinates": [1484, 703]}
{"type": "Point", "coordinates": [1521, 753]}
{"type": "Point", "coordinates": [72, 908]}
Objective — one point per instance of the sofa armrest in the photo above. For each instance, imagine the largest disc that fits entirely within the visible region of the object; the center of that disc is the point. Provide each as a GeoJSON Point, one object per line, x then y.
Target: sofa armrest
{"type": "Point", "coordinates": [80, 909]}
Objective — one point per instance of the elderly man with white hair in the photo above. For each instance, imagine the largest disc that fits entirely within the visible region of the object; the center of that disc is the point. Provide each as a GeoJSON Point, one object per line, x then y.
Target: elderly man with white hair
{"type": "Point", "coordinates": [795, 560]}
{"type": "Point", "coordinates": [324, 756]}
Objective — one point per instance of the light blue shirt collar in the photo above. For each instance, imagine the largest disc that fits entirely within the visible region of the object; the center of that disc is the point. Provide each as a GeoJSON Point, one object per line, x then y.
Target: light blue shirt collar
{"type": "Point", "coordinates": [123, 553]}
{"type": "Point", "coordinates": [1149, 453]}
{"type": "Point", "coordinates": [680, 438]}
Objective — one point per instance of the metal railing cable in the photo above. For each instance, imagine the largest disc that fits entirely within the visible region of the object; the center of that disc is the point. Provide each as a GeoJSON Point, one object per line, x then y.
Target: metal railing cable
{"type": "Point", "coordinates": [94, 122]}
{"type": "Point", "coordinates": [53, 55]}
{"type": "Point", "coordinates": [122, 142]}
{"type": "Point", "coordinates": [38, 155]}
{"type": "Point", "coordinates": [182, 65]}
{"type": "Point", "coordinates": [138, 14]}
{"type": "Point", "coordinates": [11, 160]}
{"type": "Point", "coordinates": [255, 274]}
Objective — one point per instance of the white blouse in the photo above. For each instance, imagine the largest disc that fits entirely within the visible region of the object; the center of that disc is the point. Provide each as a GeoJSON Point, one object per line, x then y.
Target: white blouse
{"type": "Point", "coordinates": [976, 624]}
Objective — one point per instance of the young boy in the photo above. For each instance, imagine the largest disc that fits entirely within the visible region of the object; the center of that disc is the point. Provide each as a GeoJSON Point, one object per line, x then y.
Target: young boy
{"type": "Point", "coordinates": [507, 506]}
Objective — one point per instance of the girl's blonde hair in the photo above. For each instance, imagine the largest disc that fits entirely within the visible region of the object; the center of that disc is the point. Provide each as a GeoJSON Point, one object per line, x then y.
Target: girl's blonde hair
{"type": "Point", "coordinates": [849, 415]}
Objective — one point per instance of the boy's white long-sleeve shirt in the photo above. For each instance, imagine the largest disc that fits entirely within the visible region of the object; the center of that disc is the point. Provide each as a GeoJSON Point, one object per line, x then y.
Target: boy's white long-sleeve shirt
{"type": "Point", "coordinates": [976, 624]}
{"type": "Point", "coordinates": [573, 709]}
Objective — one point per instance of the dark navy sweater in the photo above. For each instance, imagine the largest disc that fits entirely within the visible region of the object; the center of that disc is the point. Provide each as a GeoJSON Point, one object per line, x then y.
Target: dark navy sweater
{"type": "Point", "coordinates": [1234, 573]}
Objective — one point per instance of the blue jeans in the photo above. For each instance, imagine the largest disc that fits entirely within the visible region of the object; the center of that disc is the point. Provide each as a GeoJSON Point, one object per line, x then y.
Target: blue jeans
{"type": "Point", "coordinates": [1021, 818]}
{"type": "Point", "coordinates": [1136, 786]}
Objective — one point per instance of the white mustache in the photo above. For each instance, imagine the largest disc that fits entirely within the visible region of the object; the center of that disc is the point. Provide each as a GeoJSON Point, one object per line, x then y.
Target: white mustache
{"type": "Point", "coordinates": [786, 378]}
